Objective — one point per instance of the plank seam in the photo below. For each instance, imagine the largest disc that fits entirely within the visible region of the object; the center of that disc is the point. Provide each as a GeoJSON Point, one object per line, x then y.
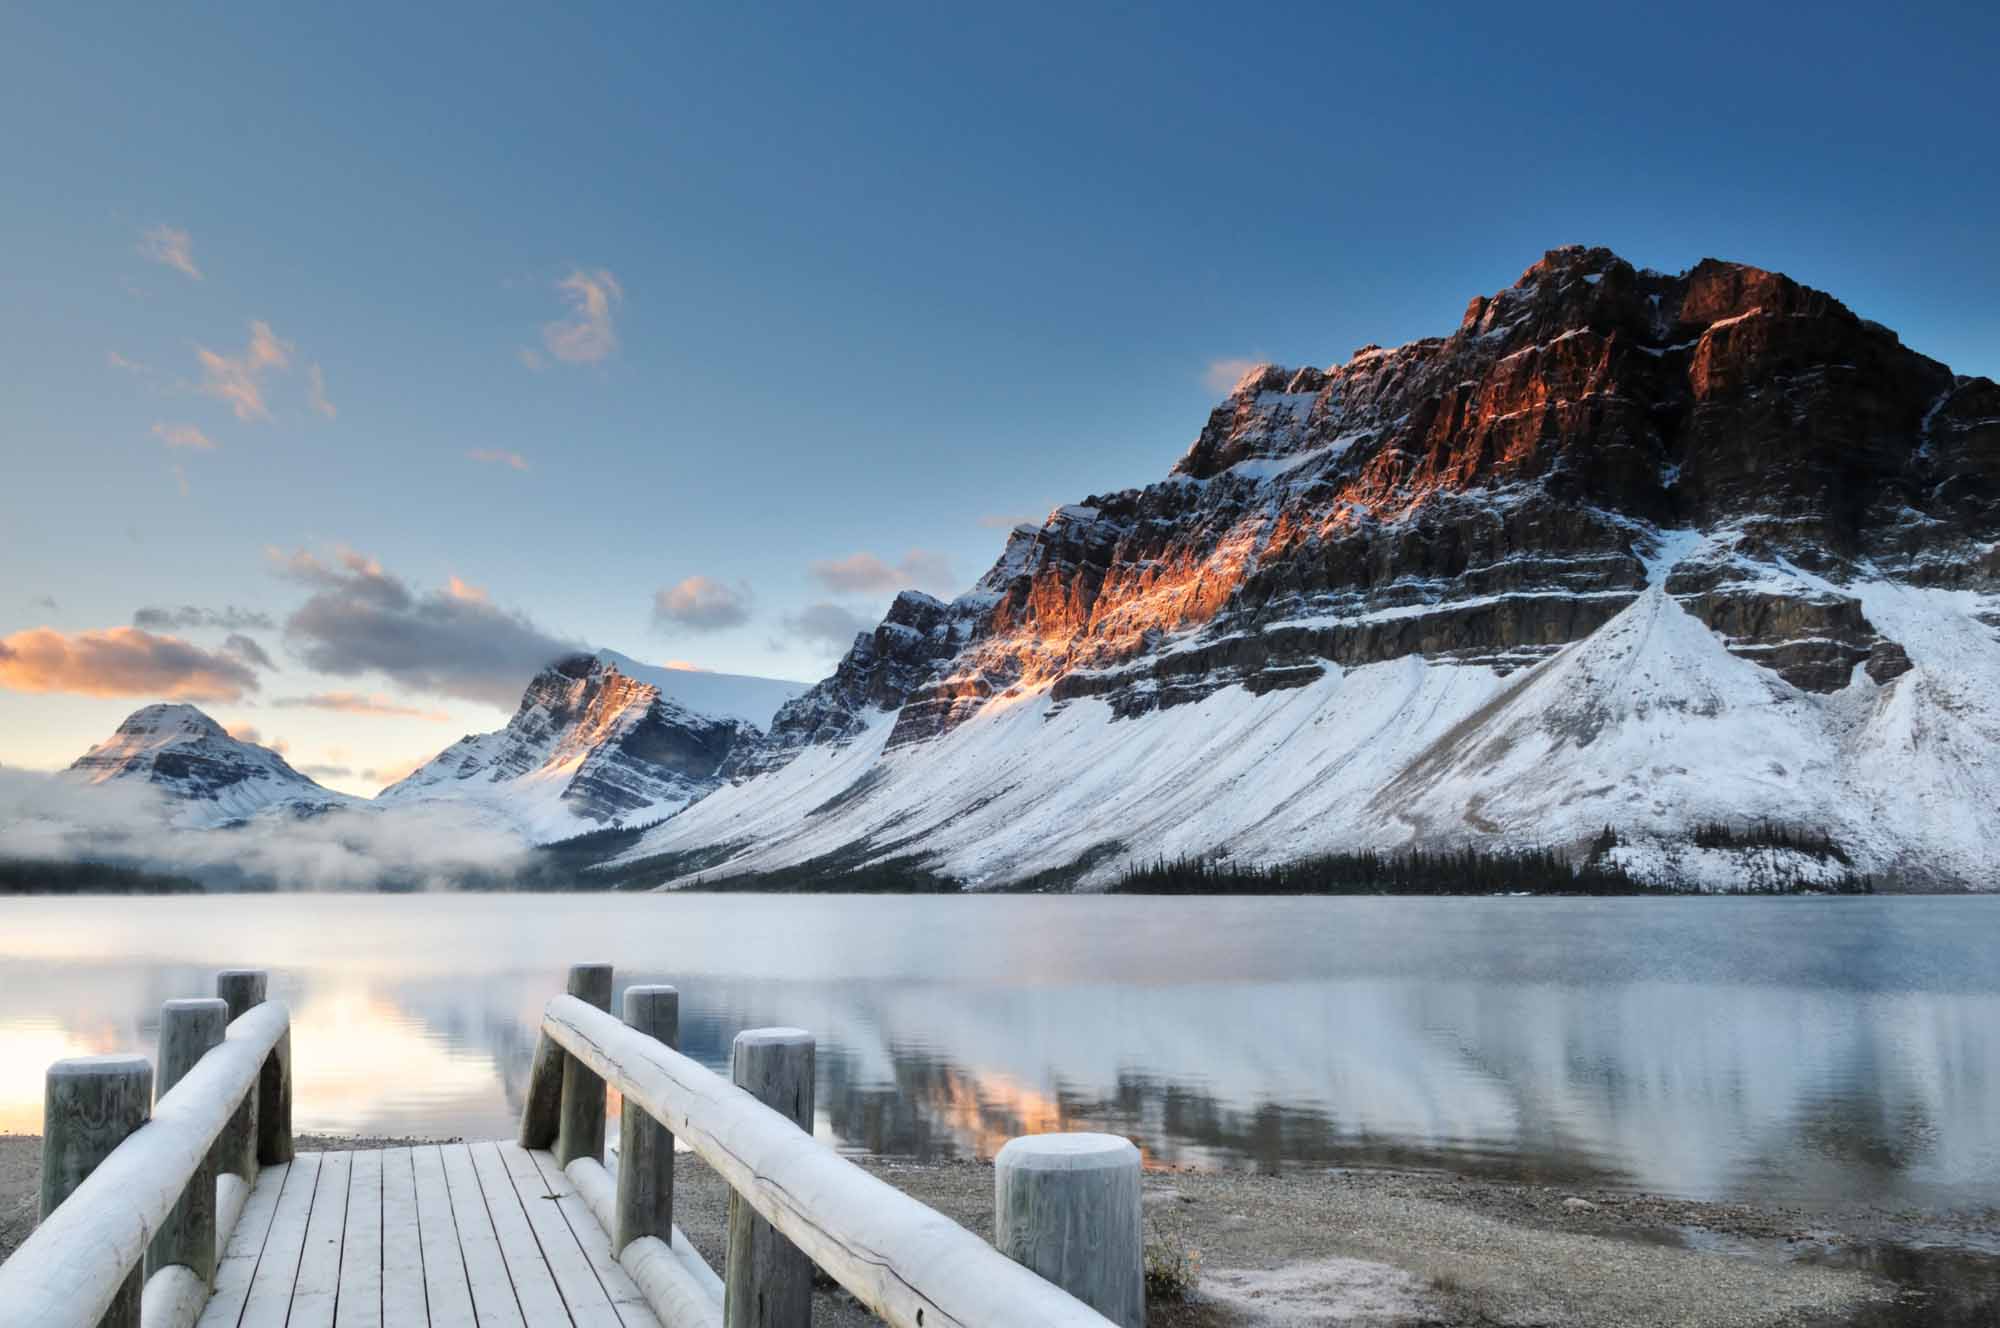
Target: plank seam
{"type": "Point", "coordinates": [570, 1226]}
{"type": "Point", "coordinates": [304, 1231]}
{"type": "Point", "coordinates": [265, 1243]}
{"type": "Point", "coordinates": [486, 1204]}
{"type": "Point", "coordinates": [536, 1236]}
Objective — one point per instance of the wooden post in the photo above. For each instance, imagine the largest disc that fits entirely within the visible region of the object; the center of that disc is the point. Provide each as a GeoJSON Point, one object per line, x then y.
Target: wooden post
{"type": "Point", "coordinates": [241, 989]}
{"type": "Point", "coordinates": [1067, 1206]}
{"type": "Point", "coordinates": [90, 1105]}
{"type": "Point", "coordinates": [767, 1282]}
{"type": "Point", "coordinates": [188, 1029]}
{"type": "Point", "coordinates": [646, 1147]}
{"type": "Point", "coordinates": [580, 1130]}
{"type": "Point", "coordinates": [274, 1104]}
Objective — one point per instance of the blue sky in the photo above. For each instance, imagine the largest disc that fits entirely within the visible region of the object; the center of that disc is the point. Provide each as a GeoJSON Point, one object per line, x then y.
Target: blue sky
{"type": "Point", "coordinates": [800, 304]}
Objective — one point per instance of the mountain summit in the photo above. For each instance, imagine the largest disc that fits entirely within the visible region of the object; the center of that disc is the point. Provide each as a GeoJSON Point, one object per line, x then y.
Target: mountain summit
{"type": "Point", "coordinates": [211, 778]}
{"type": "Point", "coordinates": [1626, 549]}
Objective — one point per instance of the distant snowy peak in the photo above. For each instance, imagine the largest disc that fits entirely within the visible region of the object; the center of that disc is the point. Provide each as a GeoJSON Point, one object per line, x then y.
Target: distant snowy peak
{"type": "Point", "coordinates": [210, 778]}
{"type": "Point", "coordinates": [717, 695]}
{"type": "Point", "coordinates": [594, 747]}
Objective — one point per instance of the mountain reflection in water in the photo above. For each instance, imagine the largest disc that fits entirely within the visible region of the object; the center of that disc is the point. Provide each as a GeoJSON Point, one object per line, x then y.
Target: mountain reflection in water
{"type": "Point", "coordinates": [1804, 1049]}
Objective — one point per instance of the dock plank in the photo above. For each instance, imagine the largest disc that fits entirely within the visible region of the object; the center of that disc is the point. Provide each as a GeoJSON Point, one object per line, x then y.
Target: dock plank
{"type": "Point", "coordinates": [360, 1304]}
{"type": "Point", "coordinates": [589, 1305]}
{"type": "Point", "coordinates": [403, 1304]}
{"type": "Point", "coordinates": [317, 1287]}
{"type": "Point", "coordinates": [270, 1301]}
{"type": "Point", "coordinates": [493, 1299]}
{"type": "Point", "coordinates": [238, 1267]}
{"type": "Point", "coordinates": [535, 1288]}
{"type": "Point", "coordinates": [626, 1299]}
{"type": "Point", "coordinates": [446, 1286]}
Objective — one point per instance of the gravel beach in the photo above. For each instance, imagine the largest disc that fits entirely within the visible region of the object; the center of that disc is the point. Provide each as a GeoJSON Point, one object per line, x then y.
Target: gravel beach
{"type": "Point", "coordinates": [1401, 1248]}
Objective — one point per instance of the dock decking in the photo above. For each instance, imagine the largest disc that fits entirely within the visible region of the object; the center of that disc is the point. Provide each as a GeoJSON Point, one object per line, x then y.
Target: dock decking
{"type": "Point", "coordinates": [446, 1235]}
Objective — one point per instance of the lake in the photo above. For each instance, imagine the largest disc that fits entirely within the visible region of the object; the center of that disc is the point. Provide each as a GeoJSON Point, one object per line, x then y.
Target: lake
{"type": "Point", "coordinates": [1796, 1049]}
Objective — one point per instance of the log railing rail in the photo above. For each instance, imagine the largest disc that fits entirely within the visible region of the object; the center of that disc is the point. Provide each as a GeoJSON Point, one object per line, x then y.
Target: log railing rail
{"type": "Point", "coordinates": [908, 1263]}
{"type": "Point", "coordinates": [174, 1182]}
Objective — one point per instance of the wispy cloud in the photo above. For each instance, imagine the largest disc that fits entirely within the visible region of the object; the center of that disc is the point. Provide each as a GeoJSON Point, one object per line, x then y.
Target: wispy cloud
{"type": "Point", "coordinates": [246, 649]}
{"type": "Point", "coordinates": [170, 247]}
{"type": "Point", "coordinates": [703, 604]}
{"type": "Point", "coordinates": [395, 771]}
{"type": "Point", "coordinates": [316, 393]}
{"type": "Point", "coordinates": [1222, 375]}
{"type": "Point", "coordinates": [828, 626]}
{"type": "Point", "coordinates": [189, 616]}
{"type": "Point", "coordinates": [181, 478]}
{"type": "Point", "coordinates": [237, 379]}
{"type": "Point", "coordinates": [354, 703]}
{"type": "Point", "coordinates": [531, 359]}
{"type": "Point", "coordinates": [131, 366]}
{"type": "Point", "coordinates": [121, 661]}
{"type": "Point", "coordinates": [184, 435]}
{"type": "Point", "coordinates": [587, 335]}
{"type": "Point", "coordinates": [494, 457]}
{"type": "Point", "coordinates": [251, 734]}
{"type": "Point", "coordinates": [864, 573]}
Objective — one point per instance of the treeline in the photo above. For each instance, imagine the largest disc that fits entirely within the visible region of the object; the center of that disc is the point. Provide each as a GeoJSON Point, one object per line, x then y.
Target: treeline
{"type": "Point", "coordinates": [1811, 843]}
{"type": "Point", "coordinates": [44, 876]}
{"type": "Point", "coordinates": [1462, 871]}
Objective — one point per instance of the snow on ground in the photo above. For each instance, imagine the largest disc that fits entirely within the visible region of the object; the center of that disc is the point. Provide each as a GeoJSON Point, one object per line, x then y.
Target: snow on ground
{"type": "Point", "coordinates": [723, 695]}
{"type": "Point", "coordinates": [1649, 725]}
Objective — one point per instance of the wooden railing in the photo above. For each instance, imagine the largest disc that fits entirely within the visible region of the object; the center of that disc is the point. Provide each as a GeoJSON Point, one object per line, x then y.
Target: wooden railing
{"type": "Point", "coordinates": [139, 1196]}
{"type": "Point", "coordinates": [796, 1202]}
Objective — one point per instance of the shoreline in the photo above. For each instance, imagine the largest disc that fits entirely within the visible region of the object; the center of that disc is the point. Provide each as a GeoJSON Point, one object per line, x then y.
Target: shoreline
{"type": "Point", "coordinates": [1427, 1248]}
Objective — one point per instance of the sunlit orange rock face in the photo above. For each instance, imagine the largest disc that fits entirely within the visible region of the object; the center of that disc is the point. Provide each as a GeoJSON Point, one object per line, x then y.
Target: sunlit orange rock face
{"type": "Point", "coordinates": [1485, 497]}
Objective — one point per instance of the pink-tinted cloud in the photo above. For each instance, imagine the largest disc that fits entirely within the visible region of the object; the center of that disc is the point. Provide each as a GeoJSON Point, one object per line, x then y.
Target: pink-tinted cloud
{"type": "Point", "coordinates": [316, 393]}
{"type": "Point", "coordinates": [122, 661]}
{"type": "Point", "coordinates": [703, 604]}
{"type": "Point", "coordinates": [251, 734]}
{"type": "Point", "coordinates": [184, 435]}
{"type": "Point", "coordinates": [354, 703]}
{"type": "Point", "coordinates": [864, 573]}
{"type": "Point", "coordinates": [587, 335]}
{"type": "Point", "coordinates": [171, 248]}
{"type": "Point", "coordinates": [493, 457]}
{"type": "Point", "coordinates": [238, 379]}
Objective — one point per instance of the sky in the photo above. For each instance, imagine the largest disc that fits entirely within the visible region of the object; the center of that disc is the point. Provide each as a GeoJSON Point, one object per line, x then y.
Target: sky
{"type": "Point", "coordinates": [353, 359]}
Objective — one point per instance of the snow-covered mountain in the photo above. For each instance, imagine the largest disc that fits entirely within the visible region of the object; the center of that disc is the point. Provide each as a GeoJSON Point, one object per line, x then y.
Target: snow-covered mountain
{"type": "Point", "coordinates": [599, 742]}
{"type": "Point", "coordinates": [1626, 549]}
{"type": "Point", "coordinates": [209, 778]}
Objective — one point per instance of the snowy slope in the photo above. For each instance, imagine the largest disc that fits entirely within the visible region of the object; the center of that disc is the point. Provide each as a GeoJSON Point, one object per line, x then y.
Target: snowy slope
{"type": "Point", "coordinates": [721, 695]}
{"type": "Point", "coordinates": [1650, 724]}
{"type": "Point", "coordinates": [208, 778]}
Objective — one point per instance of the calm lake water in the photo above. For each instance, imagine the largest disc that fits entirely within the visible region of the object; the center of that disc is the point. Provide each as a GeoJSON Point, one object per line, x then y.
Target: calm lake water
{"type": "Point", "coordinates": [1802, 1049]}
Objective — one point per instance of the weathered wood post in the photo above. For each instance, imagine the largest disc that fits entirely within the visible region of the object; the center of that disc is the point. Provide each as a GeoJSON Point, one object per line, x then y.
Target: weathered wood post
{"type": "Point", "coordinates": [241, 990]}
{"type": "Point", "coordinates": [188, 1029]}
{"type": "Point", "coordinates": [645, 1146]}
{"type": "Point", "coordinates": [90, 1105]}
{"type": "Point", "coordinates": [580, 1130]}
{"type": "Point", "coordinates": [767, 1282]}
{"type": "Point", "coordinates": [1067, 1206]}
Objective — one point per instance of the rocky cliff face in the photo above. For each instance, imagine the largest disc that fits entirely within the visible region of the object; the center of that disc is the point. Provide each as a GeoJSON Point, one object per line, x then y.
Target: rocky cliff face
{"type": "Point", "coordinates": [210, 778]}
{"type": "Point", "coordinates": [589, 748]}
{"type": "Point", "coordinates": [1593, 445]}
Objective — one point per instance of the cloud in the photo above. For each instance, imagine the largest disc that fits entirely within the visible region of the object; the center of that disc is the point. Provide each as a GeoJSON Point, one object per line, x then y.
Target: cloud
{"type": "Point", "coordinates": [47, 602]}
{"type": "Point", "coordinates": [1222, 375]}
{"type": "Point", "coordinates": [353, 703]}
{"type": "Point", "coordinates": [703, 604]}
{"type": "Point", "coordinates": [827, 625]}
{"type": "Point", "coordinates": [362, 619]}
{"type": "Point", "coordinates": [183, 435]}
{"type": "Point", "coordinates": [121, 661]}
{"type": "Point", "coordinates": [396, 771]}
{"type": "Point", "coordinates": [465, 590]}
{"type": "Point", "coordinates": [685, 666]}
{"type": "Point", "coordinates": [1001, 521]}
{"type": "Point", "coordinates": [493, 457]}
{"type": "Point", "coordinates": [188, 616]}
{"type": "Point", "coordinates": [316, 393]}
{"type": "Point", "coordinates": [864, 573]}
{"type": "Point", "coordinates": [171, 248]}
{"type": "Point", "coordinates": [250, 733]}
{"type": "Point", "coordinates": [325, 771]}
{"type": "Point", "coordinates": [181, 478]}
{"type": "Point", "coordinates": [587, 335]}
{"type": "Point", "coordinates": [531, 360]}
{"type": "Point", "coordinates": [237, 379]}
{"type": "Point", "coordinates": [248, 651]}
{"type": "Point", "coordinates": [117, 361]}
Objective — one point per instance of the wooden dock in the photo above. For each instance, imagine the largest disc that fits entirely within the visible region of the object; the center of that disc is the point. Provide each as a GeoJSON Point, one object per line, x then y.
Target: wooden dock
{"type": "Point", "coordinates": [451, 1235]}
{"type": "Point", "coordinates": [189, 1208]}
